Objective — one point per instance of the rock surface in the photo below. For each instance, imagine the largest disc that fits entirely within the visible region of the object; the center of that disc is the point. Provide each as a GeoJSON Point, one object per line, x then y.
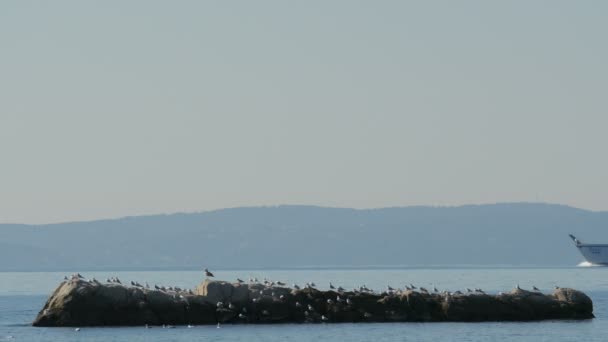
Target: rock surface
{"type": "Point", "coordinates": [81, 303]}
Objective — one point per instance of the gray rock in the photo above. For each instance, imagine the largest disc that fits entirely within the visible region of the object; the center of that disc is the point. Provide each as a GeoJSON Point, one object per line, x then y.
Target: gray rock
{"type": "Point", "coordinates": [80, 303]}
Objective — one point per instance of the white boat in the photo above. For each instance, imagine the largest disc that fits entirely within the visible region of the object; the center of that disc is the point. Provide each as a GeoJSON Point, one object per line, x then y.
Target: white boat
{"type": "Point", "coordinates": [595, 254]}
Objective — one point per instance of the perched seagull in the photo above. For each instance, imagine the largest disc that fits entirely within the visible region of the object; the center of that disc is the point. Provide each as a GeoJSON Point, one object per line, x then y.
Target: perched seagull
{"type": "Point", "coordinates": [535, 288]}
{"type": "Point", "coordinates": [208, 274]}
{"type": "Point", "coordinates": [280, 283]}
{"type": "Point", "coordinates": [340, 289]}
{"type": "Point", "coordinates": [329, 301]}
{"type": "Point", "coordinates": [389, 288]}
{"type": "Point", "coordinates": [517, 287]}
{"type": "Point", "coordinates": [323, 318]}
{"type": "Point", "coordinates": [298, 305]}
{"type": "Point", "coordinates": [65, 277]}
{"type": "Point", "coordinates": [435, 289]}
{"type": "Point", "coordinates": [556, 287]}
{"type": "Point", "coordinates": [331, 286]}
{"type": "Point", "coordinates": [241, 316]}
{"type": "Point", "coordinates": [239, 280]}
{"type": "Point", "coordinates": [412, 286]}
{"type": "Point", "coordinates": [295, 286]}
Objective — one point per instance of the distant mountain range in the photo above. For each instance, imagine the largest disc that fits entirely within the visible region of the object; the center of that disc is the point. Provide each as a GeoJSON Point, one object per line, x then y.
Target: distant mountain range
{"type": "Point", "coordinates": [513, 234]}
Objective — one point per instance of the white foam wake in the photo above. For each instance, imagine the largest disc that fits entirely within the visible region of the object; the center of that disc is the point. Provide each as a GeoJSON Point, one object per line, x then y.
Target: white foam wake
{"type": "Point", "coordinates": [587, 264]}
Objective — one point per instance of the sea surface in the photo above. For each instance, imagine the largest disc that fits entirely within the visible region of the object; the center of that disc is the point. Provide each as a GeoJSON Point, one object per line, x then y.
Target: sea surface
{"type": "Point", "coordinates": [22, 295]}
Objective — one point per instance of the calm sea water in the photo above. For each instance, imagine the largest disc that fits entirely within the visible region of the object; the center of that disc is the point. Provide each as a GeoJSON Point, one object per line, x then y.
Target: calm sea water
{"type": "Point", "coordinates": [22, 295]}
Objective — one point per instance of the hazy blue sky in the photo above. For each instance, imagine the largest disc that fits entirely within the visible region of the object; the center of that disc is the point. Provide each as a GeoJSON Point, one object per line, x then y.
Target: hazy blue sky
{"type": "Point", "coordinates": [113, 108]}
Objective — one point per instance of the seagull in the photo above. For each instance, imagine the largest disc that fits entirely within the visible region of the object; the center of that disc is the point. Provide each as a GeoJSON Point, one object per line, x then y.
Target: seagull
{"type": "Point", "coordinates": [412, 286]}
{"type": "Point", "coordinates": [310, 308]}
{"type": "Point", "coordinates": [556, 287]}
{"type": "Point", "coordinates": [329, 301]}
{"type": "Point", "coordinates": [389, 288]}
{"type": "Point", "coordinates": [331, 286]}
{"type": "Point", "coordinates": [435, 289]}
{"type": "Point", "coordinates": [239, 280]}
{"type": "Point", "coordinates": [535, 288]}
{"type": "Point", "coordinates": [208, 274]}
{"type": "Point", "coordinates": [116, 280]}
{"type": "Point", "coordinates": [340, 289]}
{"type": "Point", "coordinates": [517, 287]}
{"type": "Point", "coordinates": [280, 283]}
{"type": "Point", "coordinates": [298, 305]}
{"type": "Point", "coordinates": [422, 289]}
{"type": "Point", "coordinates": [241, 316]}
{"type": "Point", "coordinates": [295, 286]}
{"type": "Point", "coordinates": [323, 318]}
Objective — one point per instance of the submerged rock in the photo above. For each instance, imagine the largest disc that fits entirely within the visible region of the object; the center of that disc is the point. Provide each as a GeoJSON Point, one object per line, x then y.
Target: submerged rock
{"type": "Point", "coordinates": [81, 303]}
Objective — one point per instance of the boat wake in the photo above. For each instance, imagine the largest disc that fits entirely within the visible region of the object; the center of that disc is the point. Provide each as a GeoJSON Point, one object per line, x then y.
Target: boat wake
{"type": "Point", "coordinates": [588, 264]}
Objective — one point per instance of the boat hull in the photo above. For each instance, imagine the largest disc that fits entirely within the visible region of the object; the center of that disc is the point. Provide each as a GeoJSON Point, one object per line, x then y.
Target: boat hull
{"type": "Point", "coordinates": [594, 253]}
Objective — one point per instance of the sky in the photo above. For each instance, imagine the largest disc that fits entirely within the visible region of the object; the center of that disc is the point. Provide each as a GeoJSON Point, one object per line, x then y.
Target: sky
{"type": "Point", "coordinates": [120, 108]}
